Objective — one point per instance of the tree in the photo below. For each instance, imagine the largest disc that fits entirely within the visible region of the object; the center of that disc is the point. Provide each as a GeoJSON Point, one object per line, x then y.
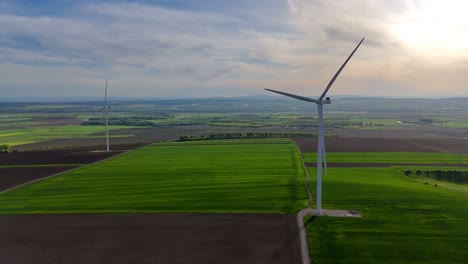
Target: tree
{"type": "Point", "coordinates": [4, 148]}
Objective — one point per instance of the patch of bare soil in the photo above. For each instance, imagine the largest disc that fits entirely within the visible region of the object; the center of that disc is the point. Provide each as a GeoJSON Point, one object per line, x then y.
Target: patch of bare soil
{"type": "Point", "coordinates": [149, 238]}
{"type": "Point", "coordinates": [345, 144]}
{"type": "Point", "coordinates": [451, 145]}
{"type": "Point", "coordinates": [11, 177]}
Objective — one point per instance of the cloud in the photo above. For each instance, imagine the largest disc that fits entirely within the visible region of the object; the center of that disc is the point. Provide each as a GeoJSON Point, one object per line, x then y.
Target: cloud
{"type": "Point", "coordinates": [147, 49]}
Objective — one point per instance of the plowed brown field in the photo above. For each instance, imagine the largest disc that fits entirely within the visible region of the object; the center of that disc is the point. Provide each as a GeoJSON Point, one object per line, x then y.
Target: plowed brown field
{"type": "Point", "coordinates": [343, 144]}
{"type": "Point", "coordinates": [54, 157]}
{"type": "Point", "coordinates": [14, 176]}
{"type": "Point", "coordinates": [149, 238]}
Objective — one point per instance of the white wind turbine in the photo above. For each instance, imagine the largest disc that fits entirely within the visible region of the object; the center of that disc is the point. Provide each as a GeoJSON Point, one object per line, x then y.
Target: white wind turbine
{"type": "Point", "coordinates": [321, 137]}
{"type": "Point", "coordinates": [106, 109]}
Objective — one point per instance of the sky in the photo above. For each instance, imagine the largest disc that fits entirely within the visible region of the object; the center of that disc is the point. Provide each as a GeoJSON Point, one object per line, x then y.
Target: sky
{"type": "Point", "coordinates": [212, 48]}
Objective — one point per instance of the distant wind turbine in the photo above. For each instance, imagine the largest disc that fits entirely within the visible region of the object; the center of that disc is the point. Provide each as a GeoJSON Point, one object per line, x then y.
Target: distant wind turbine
{"type": "Point", "coordinates": [106, 109]}
{"type": "Point", "coordinates": [321, 137]}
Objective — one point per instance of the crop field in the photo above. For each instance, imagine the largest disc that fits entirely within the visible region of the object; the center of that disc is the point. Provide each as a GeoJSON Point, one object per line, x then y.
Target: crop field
{"type": "Point", "coordinates": [11, 176]}
{"type": "Point", "coordinates": [406, 219]}
{"type": "Point", "coordinates": [390, 157]}
{"type": "Point", "coordinates": [15, 137]}
{"type": "Point", "coordinates": [202, 176]}
{"type": "Point", "coordinates": [25, 123]}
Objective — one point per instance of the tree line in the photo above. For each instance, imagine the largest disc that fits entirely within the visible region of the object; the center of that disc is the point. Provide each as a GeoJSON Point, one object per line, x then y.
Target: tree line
{"type": "Point", "coordinates": [121, 121]}
{"type": "Point", "coordinates": [455, 176]}
{"type": "Point", "coordinates": [239, 135]}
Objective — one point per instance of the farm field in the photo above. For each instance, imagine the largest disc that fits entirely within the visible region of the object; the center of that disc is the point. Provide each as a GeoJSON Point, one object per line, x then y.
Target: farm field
{"type": "Point", "coordinates": [129, 138]}
{"type": "Point", "coordinates": [390, 157]}
{"type": "Point", "coordinates": [375, 143]}
{"type": "Point", "coordinates": [14, 137]}
{"type": "Point", "coordinates": [202, 176]}
{"type": "Point", "coordinates": [148, 238]}
{"type": "Point", "coordinates": [405, 220]}
{"type": "Point", "coordinates": [21, 167]}
{"type": "Point", "coordinates": [29, 123]}
{"type": "Point", "coordinates": [12, 176]}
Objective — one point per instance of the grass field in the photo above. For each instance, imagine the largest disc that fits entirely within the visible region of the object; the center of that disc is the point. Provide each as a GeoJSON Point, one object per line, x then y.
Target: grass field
{"type": "Point", "coordinates": [203, 176]}
{"type": "Point", "coordinates": [405, 221]}
{"type": "Point", "coordinates": [390, 157]}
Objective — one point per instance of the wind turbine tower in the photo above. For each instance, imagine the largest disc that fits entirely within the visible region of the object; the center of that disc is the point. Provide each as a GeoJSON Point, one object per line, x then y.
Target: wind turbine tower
{"type": "Point", "coordinates": [321, 154]}
{"type": "Point", "coordinates": [106, 109]}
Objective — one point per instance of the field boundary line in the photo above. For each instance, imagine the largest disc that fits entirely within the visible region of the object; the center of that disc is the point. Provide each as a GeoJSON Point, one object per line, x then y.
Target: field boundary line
{"type": "Point", "coordinates": [424, 146]}
{"type": "Point", "coordinates": [60, 173]}
{"type": "Point", "coordinates": [42, 165]}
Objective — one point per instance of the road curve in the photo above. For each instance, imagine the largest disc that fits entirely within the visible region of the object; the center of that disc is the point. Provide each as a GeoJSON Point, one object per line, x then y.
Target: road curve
{"type": "Point", "coordinates": [303, 234]}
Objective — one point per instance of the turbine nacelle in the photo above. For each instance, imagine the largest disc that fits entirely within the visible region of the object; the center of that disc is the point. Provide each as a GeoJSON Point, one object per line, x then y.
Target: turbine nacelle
{"type": "Point", "coordinates": [104, 108]}
{"type": "Point", "coordinates": [303, 98]}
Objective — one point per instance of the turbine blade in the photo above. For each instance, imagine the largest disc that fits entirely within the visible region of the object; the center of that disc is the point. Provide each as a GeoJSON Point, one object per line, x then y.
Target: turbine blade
{"type": "Point", "coordinates": [339, 71]}
{"type": "Point", "coordinates": [101, 109]}
{"type": "Point", "coordinates": [294, 96]}
{"type": "Point", "coordinates": [105, 96]}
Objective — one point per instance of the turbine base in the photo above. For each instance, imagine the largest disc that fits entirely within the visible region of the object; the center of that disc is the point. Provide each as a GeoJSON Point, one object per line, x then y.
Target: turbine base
{"type": "Point", "coordinates": [338, 213]}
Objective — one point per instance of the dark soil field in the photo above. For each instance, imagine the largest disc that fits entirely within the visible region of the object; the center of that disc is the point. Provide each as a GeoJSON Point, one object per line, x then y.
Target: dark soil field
{"type": "Point", "coordinates": [426, 132]}
{"type": "Point", "coordinates": [149, 238]}
{"type": "Point", "coordinates": [343, 144]}
{"type": "Point", "coordinates": [14, 176]}
{"type": "Point", "coordinates": [54, 157]}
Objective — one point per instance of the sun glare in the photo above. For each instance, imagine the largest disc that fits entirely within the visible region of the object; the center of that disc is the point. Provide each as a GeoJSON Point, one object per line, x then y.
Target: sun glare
{"type": "Point", "coordinates": [434, 28]}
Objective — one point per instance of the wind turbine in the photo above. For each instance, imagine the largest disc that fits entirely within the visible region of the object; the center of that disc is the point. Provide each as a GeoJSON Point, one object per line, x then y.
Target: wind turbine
{"type": "Point", "coordinates": [106, 109]}
{"type": "Point", "coordinates": [321, 137]}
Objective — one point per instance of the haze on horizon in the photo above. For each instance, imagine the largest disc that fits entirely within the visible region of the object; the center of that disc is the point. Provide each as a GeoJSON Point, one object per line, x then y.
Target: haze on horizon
{"type": "Point", "coordinates": [210, 48]}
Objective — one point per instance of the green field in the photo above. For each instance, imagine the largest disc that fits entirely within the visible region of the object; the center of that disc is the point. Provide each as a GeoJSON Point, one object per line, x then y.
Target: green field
{"type": "Point", "coordinates": [201, 176]}
{"type": "Point", "coordinates": [390, 157]}
{"type": "Point", "coordinates": [405, 220]}
{"type": "Point", "coordinates": [14, 137]}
